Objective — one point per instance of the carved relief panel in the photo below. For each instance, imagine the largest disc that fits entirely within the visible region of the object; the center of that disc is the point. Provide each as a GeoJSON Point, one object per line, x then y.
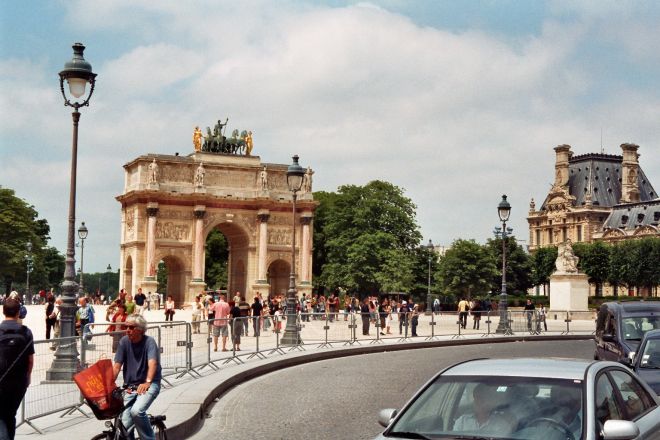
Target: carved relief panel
{"type": "Point", "coordinates": [167, 230]}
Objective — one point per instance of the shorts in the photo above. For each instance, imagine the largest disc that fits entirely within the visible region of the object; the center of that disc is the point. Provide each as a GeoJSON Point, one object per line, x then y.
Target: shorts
{"type": "Point", "coordinates": [220, 331]}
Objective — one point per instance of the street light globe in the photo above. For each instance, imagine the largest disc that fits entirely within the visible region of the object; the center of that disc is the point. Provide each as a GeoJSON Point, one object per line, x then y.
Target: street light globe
{"type": "Point", "coordinates": [82, 231]}
{"type": "Point", "coordinates": [504, 209]}
{"type": "Point", "coordinates": [77, 74]}
{"type": "Point", "coordinates": [294, 175]}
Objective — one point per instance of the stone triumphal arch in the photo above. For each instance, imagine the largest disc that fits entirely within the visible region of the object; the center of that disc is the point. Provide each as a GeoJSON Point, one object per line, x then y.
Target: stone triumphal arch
{"type": "Point", "coordinates": [171, 204]}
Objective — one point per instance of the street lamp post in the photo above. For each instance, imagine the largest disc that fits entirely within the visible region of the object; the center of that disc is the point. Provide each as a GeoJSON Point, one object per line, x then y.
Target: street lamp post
{"type": "Point", "coordinates": [77, 73]}
{"type": "Point", "coordinates": [503, 210]}
{"type": "Point", "coordinates": [28, 295]}
{"type": "Point", "coordinates": [107, 287]}
{"type": "Point", "coordinates": [428, 291]}
{"type": "Point", "coordinates": [291, 336]}
{"type": "Point", "coordinates": [82, 234]}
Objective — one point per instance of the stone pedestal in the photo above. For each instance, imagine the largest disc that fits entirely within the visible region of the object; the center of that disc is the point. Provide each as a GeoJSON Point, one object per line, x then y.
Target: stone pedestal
{"type": "Point", "coordinates": [195, 287]}
{"type": "Point", "coordinates": [262, 287]}
{"type": "Point", "coordinates": [569, 291]}
{"type": "Point", "coordinates": [149, 284]}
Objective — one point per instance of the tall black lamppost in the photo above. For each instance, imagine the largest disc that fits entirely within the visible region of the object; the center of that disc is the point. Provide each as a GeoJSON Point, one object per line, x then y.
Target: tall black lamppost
{"type": "Point", "coordinates": [28, 257]}
{"type": "Point", "coordinates": [291, 336]}
{"type": "Point", "coordinates": [82, 234]}
{"type": "Point", "coordinates": [428, 291]}
{"type": "Point", "coordinates": [77, 73]}
{"type": "Point", "coordinates": [107, 287]}
{"type": "Point", "coordinates": [503, 210]}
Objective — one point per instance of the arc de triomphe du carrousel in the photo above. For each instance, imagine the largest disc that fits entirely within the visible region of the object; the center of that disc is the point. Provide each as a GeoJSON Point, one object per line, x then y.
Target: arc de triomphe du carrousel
{"type": "Point", "coordinates": [171, 203]}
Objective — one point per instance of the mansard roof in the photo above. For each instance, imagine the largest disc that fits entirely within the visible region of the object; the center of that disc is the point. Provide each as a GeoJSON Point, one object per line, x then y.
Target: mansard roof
{"type": "Point", "coordinates": [631, 216]}
{"type": "Point", "coordinates": [601, 174]}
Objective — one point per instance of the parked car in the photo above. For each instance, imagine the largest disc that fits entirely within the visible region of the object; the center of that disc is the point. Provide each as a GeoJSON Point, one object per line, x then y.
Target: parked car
{"type": "Point", "coordinates": [620, 327]}
{"type": "Point", "coordinates": [549, 399]}
{"type": "Point", "coordinates": [646, 362]}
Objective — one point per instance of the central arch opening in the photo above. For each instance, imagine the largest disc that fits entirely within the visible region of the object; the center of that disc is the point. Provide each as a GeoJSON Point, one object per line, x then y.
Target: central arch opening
{"type": "Point", "coordinates": [226, 259]}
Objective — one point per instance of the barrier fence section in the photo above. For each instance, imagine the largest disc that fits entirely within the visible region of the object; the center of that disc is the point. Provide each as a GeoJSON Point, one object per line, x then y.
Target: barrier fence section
{"type": "Point", "coordinates": [188, 348]}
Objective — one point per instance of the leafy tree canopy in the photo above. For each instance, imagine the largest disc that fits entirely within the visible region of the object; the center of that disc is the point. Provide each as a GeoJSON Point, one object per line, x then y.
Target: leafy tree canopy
{"type": "Point", "coordinates": [467, 269]}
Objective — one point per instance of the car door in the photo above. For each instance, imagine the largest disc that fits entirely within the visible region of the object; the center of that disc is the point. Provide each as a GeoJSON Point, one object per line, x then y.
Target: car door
{"type": "Point", "coordinates": [621, 396]}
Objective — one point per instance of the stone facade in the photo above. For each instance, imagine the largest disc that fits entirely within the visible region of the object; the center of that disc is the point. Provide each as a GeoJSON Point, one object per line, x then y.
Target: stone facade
{"type": "Point", "coordinates": [595, 197]}
{"type": "Point", "coordinates": [170, 204]}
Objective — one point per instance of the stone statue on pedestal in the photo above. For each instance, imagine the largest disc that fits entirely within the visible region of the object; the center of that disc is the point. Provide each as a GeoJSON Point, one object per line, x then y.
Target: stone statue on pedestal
{"type": "Point", "coordinates": [264, 179]}
{"type": "Point", "coordinates": [199, 175]}
{"type": "Point", "coordinates": [153, 172]}
{"type": "Point", "coordinates": [566, 260]}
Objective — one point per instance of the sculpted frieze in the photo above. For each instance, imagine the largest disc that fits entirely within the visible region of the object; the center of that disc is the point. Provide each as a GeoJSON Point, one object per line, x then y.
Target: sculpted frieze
{"type": "Point", "coordinates": [279, 236]}
{"type": "Point", "coordinates": [224, 178]}
{"type": "Point", "coordinates": [175, 214]}
{"type": "Point", "coordinates": [129, 215]}
{"type": "Point", "coordinates": [172, 231]}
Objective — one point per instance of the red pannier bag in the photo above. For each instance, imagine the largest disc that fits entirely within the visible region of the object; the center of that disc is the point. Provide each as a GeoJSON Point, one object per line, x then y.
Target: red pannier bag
{"type": "Point", "coordinates": [97, 385]}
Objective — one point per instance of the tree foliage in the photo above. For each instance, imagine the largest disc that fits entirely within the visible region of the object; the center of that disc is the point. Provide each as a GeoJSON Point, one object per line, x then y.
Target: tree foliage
{"type": "Point", "coordinates": [518, 266]}
{"type": "Point", "coordinates": [467, 269]}
{"type": "Point", "coordinates": [217, 256]}
{"type": "Point", "coordinates": [20, 225]}
{"type": "Point", "coordinates": [369, 236]}
{"type": "Point", "coordinates": [543, 265]}
{"type": "Point", "coordinates": [594, 261]}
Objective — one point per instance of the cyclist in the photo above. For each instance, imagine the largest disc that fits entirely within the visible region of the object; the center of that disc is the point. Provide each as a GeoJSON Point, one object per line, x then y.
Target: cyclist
{"type": "Point", "coordinates": [138, 357]}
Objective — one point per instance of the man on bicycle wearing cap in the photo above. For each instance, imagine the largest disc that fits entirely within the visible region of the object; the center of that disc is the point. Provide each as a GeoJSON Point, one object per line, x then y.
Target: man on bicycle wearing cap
{"type": "Point", "coordinates": [138, 357]}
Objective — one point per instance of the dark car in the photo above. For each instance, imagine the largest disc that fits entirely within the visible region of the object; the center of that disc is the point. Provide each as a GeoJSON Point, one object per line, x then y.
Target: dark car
{"type": "Point", "coordinates": [647, 360]}
{"type": "Point", "coordinates": [620, 327]}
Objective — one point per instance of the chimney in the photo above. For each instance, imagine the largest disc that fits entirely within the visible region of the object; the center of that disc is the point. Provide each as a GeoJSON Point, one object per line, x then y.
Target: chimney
{"type": "Point", "coordinates": [563, 154]}
{"type": "Point", "coordinates": [629, 174]}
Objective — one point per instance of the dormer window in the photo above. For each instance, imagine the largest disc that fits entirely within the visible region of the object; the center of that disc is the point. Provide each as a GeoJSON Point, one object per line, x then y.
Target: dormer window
{"type": "Point", "coordinates": [640, 217]}
{"type": "Point", "coordinates": [624, 219]}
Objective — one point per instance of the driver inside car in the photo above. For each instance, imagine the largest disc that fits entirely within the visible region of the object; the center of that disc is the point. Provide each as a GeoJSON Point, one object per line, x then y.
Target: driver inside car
{"type": "Point", "coordinates": [485, 418]}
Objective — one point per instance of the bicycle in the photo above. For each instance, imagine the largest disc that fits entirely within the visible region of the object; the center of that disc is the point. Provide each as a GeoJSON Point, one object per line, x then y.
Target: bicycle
{"type": "Point", "coordinates": [116, 429]}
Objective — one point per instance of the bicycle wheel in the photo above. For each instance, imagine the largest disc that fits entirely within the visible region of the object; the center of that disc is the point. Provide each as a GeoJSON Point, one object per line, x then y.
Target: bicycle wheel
{"type": "Point", "coordinates": [159, 430]}
{"type": "Point", "coordinates": [103, 436]}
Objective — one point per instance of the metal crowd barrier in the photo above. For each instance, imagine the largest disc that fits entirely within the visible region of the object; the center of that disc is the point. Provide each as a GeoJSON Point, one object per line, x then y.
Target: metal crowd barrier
{"type": "Point", "coordinates": [187, 348]}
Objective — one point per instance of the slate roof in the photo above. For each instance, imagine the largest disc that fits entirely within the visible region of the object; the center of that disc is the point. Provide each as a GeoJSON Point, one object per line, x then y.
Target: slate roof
{"type": "Point", "coordinates": [602, 173]}
{"type": "Point", "coordinates": [630, 216]}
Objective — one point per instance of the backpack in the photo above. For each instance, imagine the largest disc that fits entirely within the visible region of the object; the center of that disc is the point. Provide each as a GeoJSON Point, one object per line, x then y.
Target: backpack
{"type": "Point", "coordinates": [22, 313]}
{"type": "Point", "coordinates": [13, 345]}
{"type": "Point", "coordinates": [90, 314]}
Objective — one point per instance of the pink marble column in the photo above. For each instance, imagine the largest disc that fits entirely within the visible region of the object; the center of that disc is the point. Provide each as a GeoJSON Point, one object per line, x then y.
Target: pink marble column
{"type": "Point", "coordinates": [198, 257]}
{"type": "Point", "coordinates": [152, 212]}
{"type": "Point", "coordinates": [263, 245]}
{"type": "Point", "coordinates": [306, 249]}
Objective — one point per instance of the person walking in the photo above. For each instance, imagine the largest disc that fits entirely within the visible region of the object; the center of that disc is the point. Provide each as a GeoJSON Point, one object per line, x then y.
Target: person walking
{"type": "Point", "coordinates": [382, 315]}
{"type": "Point", "coordinates": [138, 358]}
{"type": "Point", "coordinates": [140, 300]}
{"type": "Point", "coordinates": [16, 361]}
{"type": "Point", "coordinates": [255, 310]}
{"type": "Point", "coordinates": [403, 316]}
{"type": "Point", "coordinates": [529, 313]}
{"type": "Point", "coordinates": [463, 307]}
{"type": "Point", "coordinates": [51, 316]}
{"type": "Point", "coordinates": [364, 312]}
{"type": "Point", "coordinates": [221, 316]}
{"type": "Point", "coordinates": [237, 320]}
{"type": "Point", "coordinates": [244, 307]}
{"type": "Point", "coordinates": [196, 314]}
{"type": "Point", "coordinates": [117, 330]}
{"type": "Point", "coordinates": [414, 319]}
{"type": "Point", "coordinates": [130, 304]}
{"type": "Point", "coordinates": [542, 317]}
{"type": "Point", "coordinates": [169, 309]}
{"type": "Point", "coordinates": [476, 314]}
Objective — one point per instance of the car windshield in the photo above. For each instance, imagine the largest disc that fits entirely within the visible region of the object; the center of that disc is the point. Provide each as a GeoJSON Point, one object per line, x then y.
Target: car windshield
{"type": "Point", "coordinates": [635, 327]}
{"type": "Point", "coordinates": [494, 407]}
{"type": "Point", "coordinates": [651, 354]}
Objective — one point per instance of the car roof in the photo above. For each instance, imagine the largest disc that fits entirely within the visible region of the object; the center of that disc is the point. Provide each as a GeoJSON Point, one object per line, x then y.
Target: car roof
{"type": "Point", "coordinates": [652, 334]}
{"type": "Point", "coordinates": [634, 306]}
{"type": "Point", "coordinates": [555, 368]}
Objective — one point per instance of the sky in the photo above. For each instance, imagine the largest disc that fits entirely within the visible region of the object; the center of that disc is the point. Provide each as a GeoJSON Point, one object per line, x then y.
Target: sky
{"type": "Point", "coordinates": [456, 102]}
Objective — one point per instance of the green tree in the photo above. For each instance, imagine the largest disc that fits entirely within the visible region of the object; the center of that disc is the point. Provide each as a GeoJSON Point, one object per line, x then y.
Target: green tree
{"type": "Point", "coordinates": [217, 256]}
{"type": "Point", "coordinates": [322, 216]}
{"type": "Point", "coordinates": [595, 262]}
{"type": "Point", "coordinates": [370, 237]}
{"type": "Point", "coordinates": [466, 269]}
{"type": "Point", "coordinates": [518, 266]}
{"type": "Point", "coordinates": [19, 226]}
{"type": "Point", "coordinates": [543, 264]}
{"type": "Point", "coordinates": [646, 263]}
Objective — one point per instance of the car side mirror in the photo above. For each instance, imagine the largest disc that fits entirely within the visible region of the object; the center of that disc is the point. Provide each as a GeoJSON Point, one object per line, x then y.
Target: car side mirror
{"type": "Point", "coordinates": [620, 430]}
{"type": "Point", "coordinates": [628, 362]}
{"type": "Point", "coordinates": [385, 416]}
{"type": "Point", "coordinates": [607, 337]}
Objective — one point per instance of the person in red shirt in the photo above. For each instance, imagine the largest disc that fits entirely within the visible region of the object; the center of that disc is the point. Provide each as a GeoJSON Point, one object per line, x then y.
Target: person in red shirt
{"type": "Point", "coordinates": [221, 314]}
{"type": "Point", "coordinates": [119, 316]}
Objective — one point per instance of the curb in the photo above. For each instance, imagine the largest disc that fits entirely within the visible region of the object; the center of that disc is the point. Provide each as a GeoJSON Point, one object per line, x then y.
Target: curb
{"type": "Point", "coordinates": [191, 425]}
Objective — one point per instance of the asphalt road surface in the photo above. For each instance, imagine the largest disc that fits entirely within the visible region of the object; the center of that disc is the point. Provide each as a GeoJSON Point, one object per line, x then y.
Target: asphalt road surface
{"type": "Point", "coordinates": [340, 398]}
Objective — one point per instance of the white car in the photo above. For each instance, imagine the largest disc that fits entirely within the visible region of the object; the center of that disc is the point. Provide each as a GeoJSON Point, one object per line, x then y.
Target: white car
{"type": "Point", "coordinates": [549, 399]}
